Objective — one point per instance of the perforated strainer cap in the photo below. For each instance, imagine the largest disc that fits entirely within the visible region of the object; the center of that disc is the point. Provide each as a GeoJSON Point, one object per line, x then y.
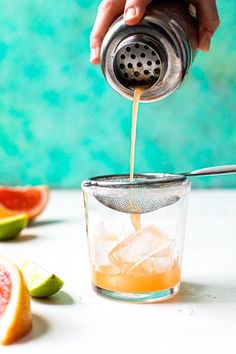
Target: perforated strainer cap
{"type": "Point", "coordinates": [139, 61]}
{"type": "Point", "coordinates": [148, 192]}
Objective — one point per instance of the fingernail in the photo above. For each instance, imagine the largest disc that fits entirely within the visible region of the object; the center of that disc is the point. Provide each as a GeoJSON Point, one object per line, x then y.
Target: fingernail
{"type": "Point", "coordinates": [93, 54]}
{"type": "Point", "coordinates": [130, 13]}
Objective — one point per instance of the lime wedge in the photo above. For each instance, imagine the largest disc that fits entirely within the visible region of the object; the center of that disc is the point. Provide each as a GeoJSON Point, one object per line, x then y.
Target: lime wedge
{"type": "Point", "coordinates": [11, 226]}
{"type": "Point", "coordinates": [39, 281]}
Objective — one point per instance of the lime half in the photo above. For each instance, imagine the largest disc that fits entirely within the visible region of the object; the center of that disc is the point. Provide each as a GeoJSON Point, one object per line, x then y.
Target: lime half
{"type": "Point", "coordinates": [11, 226]}
{"type": "Point", "coordinates": [40, 282]}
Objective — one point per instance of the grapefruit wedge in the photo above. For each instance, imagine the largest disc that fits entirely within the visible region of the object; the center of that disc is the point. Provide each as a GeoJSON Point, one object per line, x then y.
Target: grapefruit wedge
{"type": "Point", "coordinates": [28, 200]}
{"type": "Point", "coordinates": [15, 313]}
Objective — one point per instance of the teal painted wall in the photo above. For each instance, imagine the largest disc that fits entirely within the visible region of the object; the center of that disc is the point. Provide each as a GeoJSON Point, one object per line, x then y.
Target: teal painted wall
{"type": "Point", "coordinates": [61, 122]}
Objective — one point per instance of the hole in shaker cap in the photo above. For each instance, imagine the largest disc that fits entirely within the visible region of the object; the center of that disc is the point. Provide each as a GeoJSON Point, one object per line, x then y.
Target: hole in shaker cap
{"type": "Point", "coordinates": [149, 63]}
{"type": "Point", "coordinates": [136, 45]}
{"type": "Point", "coordinates": [143, 55]}
{"type": "Point", "coordinates": [146, 47]}
{"type": "Point", "coordinates": [157, 71]}
{"type": "Point", "coordinates": [128, 49]}
{"type": "Point", "coordinates": [152, 79]}
{"type": "Point", "coordinates": [122, 66]}
{"type": "Point", "coordinates": [139, 64]}
{"type": "Point", "coordinates": [157, 62]}
{"type": "Point", "coordinates": [122, 56]}
{"type": "Point", "coordinates": [130, 65]}
{"type": "Point", "coordinates": [133, 56]}
{"type": "Point", "coordinates": [136, 73]}
{"type": "Point", "coordinates": [146, 72]}
{"type": "Point", "coordinates": [153, 53]}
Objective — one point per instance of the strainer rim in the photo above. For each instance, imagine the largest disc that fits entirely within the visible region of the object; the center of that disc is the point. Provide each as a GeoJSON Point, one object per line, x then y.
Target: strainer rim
{"type": "Point", "coordinates": [97, 181]}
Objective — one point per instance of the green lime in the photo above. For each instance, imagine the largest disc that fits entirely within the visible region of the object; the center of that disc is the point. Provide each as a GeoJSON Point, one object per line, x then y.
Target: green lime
{"type": "Point", "coordinates": [40, 282]}
{"type": "Point", "coordinates": [11, 226]}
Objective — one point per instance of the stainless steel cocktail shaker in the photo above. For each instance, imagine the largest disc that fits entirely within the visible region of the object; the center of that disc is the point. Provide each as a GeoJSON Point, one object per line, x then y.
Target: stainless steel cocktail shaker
{"type": "Point", "coordinates": [157, 52]}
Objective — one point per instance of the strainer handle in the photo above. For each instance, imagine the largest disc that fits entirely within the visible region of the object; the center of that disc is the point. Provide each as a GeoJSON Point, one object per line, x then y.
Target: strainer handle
{"type": "Point", "coordinates": [217, 170]}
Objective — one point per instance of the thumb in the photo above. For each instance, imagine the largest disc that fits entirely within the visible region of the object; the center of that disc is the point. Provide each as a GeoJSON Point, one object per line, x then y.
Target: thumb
{"type": "Point", "coordinates": [134, 11]}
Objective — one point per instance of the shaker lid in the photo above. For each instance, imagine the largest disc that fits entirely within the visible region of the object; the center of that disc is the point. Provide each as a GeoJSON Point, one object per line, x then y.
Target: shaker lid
{"type": "Point", "coordinates": [155, 52]}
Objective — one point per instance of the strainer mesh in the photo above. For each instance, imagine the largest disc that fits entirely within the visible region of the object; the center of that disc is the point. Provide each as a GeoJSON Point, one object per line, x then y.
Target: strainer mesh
{"type": "Point", "coordinates": [145, 194]}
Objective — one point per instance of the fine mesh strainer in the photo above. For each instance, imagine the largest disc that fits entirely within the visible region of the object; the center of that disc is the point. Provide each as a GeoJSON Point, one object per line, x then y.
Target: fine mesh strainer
{"type": "Point", "coordinates": [147, 192]}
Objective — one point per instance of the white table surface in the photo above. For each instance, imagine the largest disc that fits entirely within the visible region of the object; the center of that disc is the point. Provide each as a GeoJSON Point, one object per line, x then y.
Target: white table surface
{"type": "Point", "coordinates": [200, 319]}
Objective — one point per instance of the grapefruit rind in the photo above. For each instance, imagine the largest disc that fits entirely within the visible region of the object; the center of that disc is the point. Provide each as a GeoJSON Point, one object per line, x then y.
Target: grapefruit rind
{"type": "Point", "coordinates": [16, 321]}
{"type": "Point", "coordinates": [40, 282]}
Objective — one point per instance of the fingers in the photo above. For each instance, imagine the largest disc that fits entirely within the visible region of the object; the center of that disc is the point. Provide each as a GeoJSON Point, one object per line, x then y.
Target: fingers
{"type": "Point", "coordinates": [134, 10]}
{"type": "Point", "coordinates": [108, 11]}
{"type": "Point", "coordinates": [208, 21]}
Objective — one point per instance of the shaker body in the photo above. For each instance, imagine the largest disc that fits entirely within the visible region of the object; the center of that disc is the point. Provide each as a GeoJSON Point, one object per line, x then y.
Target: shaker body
{"type": "Point", "coordinates": [157, 52]}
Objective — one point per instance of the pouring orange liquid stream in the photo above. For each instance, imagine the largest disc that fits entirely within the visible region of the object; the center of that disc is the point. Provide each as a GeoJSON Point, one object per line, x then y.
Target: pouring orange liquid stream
{"type": "Point", "coordinates": [135, 218]}
{"type": "Point", "coordinates": [109, 278]}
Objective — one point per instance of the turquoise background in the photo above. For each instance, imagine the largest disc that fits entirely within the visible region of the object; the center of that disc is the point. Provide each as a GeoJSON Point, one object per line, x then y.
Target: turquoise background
{"type": "Point", "coordinates": [61, 122]}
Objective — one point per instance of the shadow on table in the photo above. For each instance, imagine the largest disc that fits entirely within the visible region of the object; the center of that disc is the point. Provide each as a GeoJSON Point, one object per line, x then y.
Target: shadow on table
{"type": "Point", "coordinates": [60, 298]}
{"type": "Point", "coordinates": [40, 324]}
{"type": "Point", "coordinates": [39, 223]}
{"type": "Point", "coordinates": [204, 293]}
{"type": "Point", "coordinates": [22, 238]}
{"type": "Point", "coordinates": [40, 327]}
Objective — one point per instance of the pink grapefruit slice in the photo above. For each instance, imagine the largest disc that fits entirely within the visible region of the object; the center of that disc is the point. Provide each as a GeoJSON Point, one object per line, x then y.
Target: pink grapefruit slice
{"type": "Point", "coordinates": [15, 312]}
{"type": "Point", "coordinates": [28, 200]}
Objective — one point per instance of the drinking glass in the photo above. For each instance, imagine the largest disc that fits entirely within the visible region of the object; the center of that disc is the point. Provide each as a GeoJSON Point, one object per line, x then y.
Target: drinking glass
{"type": "Point", "coordinates": [135, 232]}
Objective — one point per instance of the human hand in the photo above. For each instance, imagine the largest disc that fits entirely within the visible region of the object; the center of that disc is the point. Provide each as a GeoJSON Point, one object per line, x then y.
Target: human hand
{"type": "Point", "coordinates": [109, 10]}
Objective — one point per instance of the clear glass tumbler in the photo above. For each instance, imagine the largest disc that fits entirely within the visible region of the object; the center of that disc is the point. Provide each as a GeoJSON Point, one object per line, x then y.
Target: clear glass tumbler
{"type": "Point", "coordinates": [135, 234]}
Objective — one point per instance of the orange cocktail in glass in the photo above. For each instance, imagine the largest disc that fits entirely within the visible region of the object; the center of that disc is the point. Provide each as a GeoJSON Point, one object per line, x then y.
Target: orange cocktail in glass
{"type": "Point", "coordinates": [135, 257]}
